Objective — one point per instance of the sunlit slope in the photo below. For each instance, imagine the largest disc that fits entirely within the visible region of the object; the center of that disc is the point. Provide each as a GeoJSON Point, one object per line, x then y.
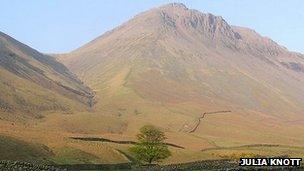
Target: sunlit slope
{"type": "Point", "coordinates": [168, 65]}
{"type": "Point", "coordinates": [32, 82]}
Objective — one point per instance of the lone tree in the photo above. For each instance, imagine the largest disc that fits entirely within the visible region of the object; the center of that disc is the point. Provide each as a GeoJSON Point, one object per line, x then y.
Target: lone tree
{"type": "Point", "coordinates": [151, 146]}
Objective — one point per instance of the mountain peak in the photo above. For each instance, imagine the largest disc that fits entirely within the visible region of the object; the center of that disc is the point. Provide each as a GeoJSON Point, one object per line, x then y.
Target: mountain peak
{"type": "Point", "coordinates": [175, 5]}
{"type": "Point", "coordinates": [179, 16]}
{"type": "Point", "coordinates": [176, 21]}
{"type": "Point", "coordinates": [173, 54]}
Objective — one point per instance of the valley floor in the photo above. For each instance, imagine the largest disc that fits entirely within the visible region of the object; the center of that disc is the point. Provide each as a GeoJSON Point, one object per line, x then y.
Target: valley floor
{"type": "Point", "coordinates": [48, 140]}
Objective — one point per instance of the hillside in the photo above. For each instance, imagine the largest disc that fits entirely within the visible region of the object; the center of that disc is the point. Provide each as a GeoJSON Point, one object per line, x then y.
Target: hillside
{"type": "Point", "coordinates": [26, 151]}
{"type": "Point", "coordinates": [31, 82]}
{"type": "Point", "coordinates": [216, 90]}
{"type": "Point", "coordinates": [170, 64]}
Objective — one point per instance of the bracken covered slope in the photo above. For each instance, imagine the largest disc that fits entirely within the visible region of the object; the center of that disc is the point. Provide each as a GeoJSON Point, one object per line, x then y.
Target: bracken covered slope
{"type": "Point", "coordinates": [171, 64]}
{"type": "Point", "coordinates": [31, 82]}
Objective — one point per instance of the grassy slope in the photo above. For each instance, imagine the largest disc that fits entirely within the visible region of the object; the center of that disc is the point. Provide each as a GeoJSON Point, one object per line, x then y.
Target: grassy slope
{"type": "Point", "coordinates": [17, 95]}
{"type": "Point", "coordinates": [118, 95]}
{"type": "Point", "coordinates": [32, 82]}
{"type": "Point", "coordinates": [63, 149]}
{"type": "Point", "coordinates": [14, 149]}
{"type": "Point", "coordinates": [68, 151]}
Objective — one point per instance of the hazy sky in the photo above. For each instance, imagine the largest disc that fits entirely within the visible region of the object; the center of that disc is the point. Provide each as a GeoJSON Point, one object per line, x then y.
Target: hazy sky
{"type": "Point", "coordinates": [56, 26]}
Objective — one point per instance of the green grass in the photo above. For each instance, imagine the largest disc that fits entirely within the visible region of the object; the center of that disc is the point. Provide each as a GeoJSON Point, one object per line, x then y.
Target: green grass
{"type": "Point", "coordinates": [14, 149]}
{"type": "Point", "coordinates": [69, 155]}
{"type": "Point", "coordinates": [257, 150]}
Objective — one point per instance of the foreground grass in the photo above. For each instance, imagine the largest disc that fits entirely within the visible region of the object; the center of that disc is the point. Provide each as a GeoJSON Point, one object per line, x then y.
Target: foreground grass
{"type": "Point", "coordinates": [33, 142]}
{"type": "Point", "coordinates": [15, 149]}
{"type": "Point", "coordinates": [256, 150]}
{"type": "Point", "coordinates": [69, 155]}
{"type": "Point", "coordinates": [78, 152]}
{"type": "Point", "coordinates": [233, 152]}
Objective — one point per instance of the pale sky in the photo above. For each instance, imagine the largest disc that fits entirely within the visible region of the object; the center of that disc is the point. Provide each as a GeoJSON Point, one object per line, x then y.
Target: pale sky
{"type": "Point", "coordinates": [58, 26]}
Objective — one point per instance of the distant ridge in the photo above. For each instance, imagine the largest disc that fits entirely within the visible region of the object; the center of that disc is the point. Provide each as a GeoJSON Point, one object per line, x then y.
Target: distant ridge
{"type": "Point", "coordinates": [32, 82]}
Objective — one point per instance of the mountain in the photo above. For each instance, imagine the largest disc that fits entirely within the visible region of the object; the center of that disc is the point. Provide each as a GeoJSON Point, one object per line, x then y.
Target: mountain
{"type": "Point", "coordinates": [32, 82]}
{"type": "Point", "coordinates": [170, 64]}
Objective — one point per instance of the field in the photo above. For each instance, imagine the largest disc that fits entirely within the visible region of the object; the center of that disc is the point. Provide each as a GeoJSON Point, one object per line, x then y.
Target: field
{"type": "Point", "coordinates": [48, 140]}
